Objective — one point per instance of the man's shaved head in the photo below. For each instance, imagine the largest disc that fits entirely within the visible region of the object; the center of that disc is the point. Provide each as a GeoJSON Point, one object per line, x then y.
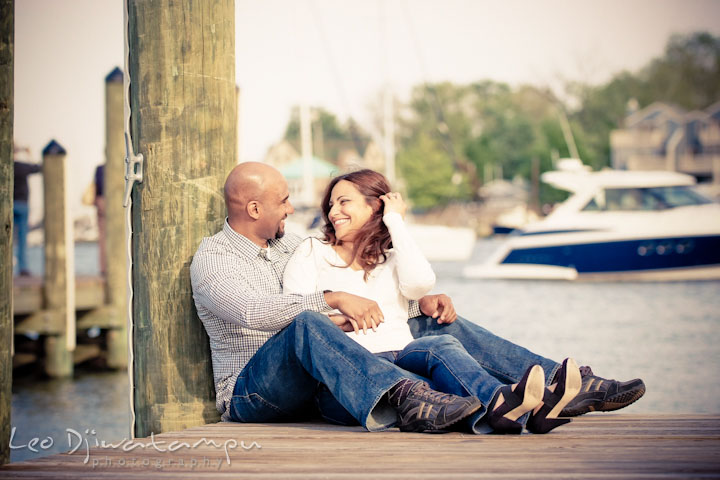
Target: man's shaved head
{"type": "Point", "coordinates": [253, 194]}
{"type": "Point", "coordinates": [248, 181]}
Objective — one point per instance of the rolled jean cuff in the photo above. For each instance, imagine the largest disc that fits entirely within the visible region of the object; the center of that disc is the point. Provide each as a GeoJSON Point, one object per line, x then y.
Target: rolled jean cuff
{"type": "Point", "coordinates": [381, 415]}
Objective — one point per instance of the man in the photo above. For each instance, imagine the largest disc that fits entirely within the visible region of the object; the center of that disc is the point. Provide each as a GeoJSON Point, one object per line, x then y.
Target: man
{"type": "Point", "coordinates": [99, 202]}
{"type": "Point", "coordinates": [236, 277]}
{"type": "Point", "coordinates": [270, 351]}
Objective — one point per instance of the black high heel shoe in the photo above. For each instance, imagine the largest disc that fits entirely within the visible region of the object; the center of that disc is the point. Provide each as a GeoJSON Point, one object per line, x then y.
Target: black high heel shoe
{"type": "Point", "coordinates": [568, 385]}
{"type": "Point", "coordinates": [527, 396]}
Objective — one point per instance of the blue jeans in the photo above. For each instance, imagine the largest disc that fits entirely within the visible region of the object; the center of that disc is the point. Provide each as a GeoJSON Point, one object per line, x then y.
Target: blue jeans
{"type": "Point", "coordinates": [280, 380]}
{"type": "Point", "coordinates": [20, 226]}
{"type": "Point", "coordinates": [501, 358]}
{"type": "Point", "coordinates": [460, 358]}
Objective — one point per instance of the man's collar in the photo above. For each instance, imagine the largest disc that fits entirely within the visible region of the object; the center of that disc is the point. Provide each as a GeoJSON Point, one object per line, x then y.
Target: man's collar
{"type": "Point", "coordinates": [249, 248]}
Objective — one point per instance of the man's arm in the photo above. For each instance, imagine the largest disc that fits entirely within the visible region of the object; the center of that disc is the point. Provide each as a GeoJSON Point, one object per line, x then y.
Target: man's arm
{"type": "Point", "coordinates": [28, 168]}
{"type": "Point", "coordinates": [231, 300]}
{"type": "Point", "coordinates": [220, 288]}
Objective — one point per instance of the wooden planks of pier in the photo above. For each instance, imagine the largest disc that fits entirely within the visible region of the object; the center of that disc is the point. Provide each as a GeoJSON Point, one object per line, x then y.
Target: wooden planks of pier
{"type": "Point", "coordinates": [593, 446]}
{"type": "Point", "coordinates": [28, 296]}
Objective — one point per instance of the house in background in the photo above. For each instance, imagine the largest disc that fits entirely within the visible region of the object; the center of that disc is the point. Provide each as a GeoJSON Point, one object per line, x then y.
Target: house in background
{"type": "Point", "coordinates": [288, 160]}
{"type": "Point", "coordinates": [666, 137]}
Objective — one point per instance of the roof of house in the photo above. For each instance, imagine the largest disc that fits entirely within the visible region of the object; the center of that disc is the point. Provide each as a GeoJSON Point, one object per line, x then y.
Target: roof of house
{"type": "Point", "coordinates": [320, 169]}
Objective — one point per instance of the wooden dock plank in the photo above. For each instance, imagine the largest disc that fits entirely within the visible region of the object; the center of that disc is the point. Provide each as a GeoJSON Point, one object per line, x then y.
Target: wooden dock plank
{"type": "Point", "coordinates": [28, 293]}
{"type": "Point", "coordinates": [594, 446]}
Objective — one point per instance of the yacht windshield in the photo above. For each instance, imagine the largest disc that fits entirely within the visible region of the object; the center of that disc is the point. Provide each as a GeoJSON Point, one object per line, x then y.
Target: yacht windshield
{"type": "Point", "coordinates": [633, 199]}
{"type": "Point", "coordinates": [678, 196]}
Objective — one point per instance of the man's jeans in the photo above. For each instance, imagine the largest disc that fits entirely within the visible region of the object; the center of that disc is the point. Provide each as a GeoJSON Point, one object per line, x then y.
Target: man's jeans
{"type": "Point", "coordinates": [474, 362]}
{"type": "Point", "coordinates": [280, 381]}
{"type": "Point", "coordinates": [20, 225]}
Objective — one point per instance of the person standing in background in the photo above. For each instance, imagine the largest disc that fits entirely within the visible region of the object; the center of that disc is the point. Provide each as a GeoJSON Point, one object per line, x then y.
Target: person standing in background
{"type": "Point", "coordinates": [100, 206]}
{"type": "Point", "coordinates": [21, 209]}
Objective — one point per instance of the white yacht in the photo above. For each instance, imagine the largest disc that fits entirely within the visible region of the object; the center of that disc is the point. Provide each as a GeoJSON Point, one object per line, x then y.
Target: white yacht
{"type": "Point", "coordinates": [616, 225]}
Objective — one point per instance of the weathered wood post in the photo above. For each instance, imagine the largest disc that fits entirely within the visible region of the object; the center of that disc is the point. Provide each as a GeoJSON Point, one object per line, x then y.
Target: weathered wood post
{"type": "Point", "coordinates": [115, 246]}
{"type": "Point", "coordinates": [7, 40]}
{"type": "Point", "coordinates": [59, 290]}
{"type": "Point", "coordinates": [182, 96]}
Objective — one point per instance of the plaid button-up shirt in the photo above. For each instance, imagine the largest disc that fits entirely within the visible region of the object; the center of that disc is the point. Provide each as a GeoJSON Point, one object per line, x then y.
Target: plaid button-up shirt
{"type": "Point", "coordinates": [237, 288]}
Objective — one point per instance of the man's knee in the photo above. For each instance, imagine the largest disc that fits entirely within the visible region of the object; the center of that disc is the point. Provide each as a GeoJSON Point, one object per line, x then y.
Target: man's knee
{"type": "Point", "coordinates": [307, 318]}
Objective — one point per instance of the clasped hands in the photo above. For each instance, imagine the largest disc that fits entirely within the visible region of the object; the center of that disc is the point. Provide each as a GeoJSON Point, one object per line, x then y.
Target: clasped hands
{"type": "Point", "coordinates": [359, 313]}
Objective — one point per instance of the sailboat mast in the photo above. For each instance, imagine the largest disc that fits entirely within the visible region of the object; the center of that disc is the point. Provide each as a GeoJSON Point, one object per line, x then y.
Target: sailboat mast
{"type": "Point", "coordinates": [389, 137]}
{"type": "Point", "coordinates": [306, 152]}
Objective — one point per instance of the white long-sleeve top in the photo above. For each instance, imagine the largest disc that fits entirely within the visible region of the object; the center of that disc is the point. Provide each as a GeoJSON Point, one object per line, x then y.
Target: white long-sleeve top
{"type": "Point", "coordinates": [406, 275]}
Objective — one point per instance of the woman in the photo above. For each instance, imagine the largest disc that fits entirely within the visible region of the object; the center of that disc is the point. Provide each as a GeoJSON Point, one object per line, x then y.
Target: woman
{"type": "Point", "coordinates": [367, 251]}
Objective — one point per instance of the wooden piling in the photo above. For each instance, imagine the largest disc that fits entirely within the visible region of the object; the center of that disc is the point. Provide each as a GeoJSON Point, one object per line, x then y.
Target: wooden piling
{"type": "Point", "coordinates": [59, 263]}
{"type": "Point", "coordinates": [182, 96]}
{"type": "Point", "coordinates": [115, 237]}
{"type": "Point", "coordinates": [7, 36]}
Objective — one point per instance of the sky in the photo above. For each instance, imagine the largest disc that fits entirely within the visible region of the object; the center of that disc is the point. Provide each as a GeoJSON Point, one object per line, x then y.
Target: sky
{"type": "Point", "coordinates": [338, 54]}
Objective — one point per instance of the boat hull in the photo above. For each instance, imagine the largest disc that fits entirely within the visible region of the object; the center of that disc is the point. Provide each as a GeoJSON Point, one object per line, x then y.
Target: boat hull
{"type": "Point", "coordinates": [641, 259]}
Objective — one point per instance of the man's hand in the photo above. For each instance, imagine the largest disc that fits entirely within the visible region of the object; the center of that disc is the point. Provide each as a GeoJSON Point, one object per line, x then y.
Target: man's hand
{"type": "Point", "coordinates": [364, 312]}
{"type": "Point", "coordinates": [438, 306]}
{"type": "Point", "coordinates": [345, 323]}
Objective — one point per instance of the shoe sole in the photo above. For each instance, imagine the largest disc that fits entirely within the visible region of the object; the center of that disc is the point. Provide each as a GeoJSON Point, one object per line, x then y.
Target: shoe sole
{"type": "Point", "coordinates": [573, 383]}
{"type": "Point", "coordinates": [533, 395]}
{"type": "Point", "coordinates": [432, 428]}
{"type": "Point", "coordinates": [616, 402]}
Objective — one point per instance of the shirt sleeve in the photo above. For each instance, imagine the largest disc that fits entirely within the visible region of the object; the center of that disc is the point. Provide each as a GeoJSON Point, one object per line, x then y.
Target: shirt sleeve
{"type": "Point", "coordinates": [415, 275]}
{"type": "Point", "coordinates": [28, 168]}
{"type": "Point", "coordinates": [227, 294]}
{"type": "Point", "coordinates": [414, 309]}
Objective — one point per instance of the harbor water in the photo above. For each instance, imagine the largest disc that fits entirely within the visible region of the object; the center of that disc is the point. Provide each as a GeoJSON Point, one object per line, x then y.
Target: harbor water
{"type": "Point", "coordinates": [665, 333]}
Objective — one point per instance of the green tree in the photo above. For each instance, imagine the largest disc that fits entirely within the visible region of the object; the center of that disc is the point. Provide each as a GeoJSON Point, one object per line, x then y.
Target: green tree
{"type": "Point", "coordinates": [687, 75]}
{"type": "Point", "coordinates": [330, 136]}
{"type": "Point", "coordinates": [428, 173]}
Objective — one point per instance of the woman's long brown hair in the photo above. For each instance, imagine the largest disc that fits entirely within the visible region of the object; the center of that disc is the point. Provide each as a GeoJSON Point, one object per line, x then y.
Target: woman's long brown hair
{"type": "Point", "coordinates": [373, 239]}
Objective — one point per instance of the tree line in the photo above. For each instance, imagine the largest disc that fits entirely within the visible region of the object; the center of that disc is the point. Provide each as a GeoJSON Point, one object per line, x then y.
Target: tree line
{"type": "Point", "coordinates": [452, 138]}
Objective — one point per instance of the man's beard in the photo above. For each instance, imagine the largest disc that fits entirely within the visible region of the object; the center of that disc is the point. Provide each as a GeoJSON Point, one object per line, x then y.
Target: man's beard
{"type": "Point", "coordinates": [280, 232]}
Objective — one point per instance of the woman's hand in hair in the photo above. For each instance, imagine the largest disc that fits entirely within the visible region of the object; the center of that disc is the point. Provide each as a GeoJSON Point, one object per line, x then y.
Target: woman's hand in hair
{"type": "Point", "coordinates": [394, 203]}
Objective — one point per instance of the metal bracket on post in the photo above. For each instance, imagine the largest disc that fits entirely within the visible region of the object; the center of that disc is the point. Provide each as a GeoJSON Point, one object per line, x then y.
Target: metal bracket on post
{"type": "Point", "coordinates": [133, 169]}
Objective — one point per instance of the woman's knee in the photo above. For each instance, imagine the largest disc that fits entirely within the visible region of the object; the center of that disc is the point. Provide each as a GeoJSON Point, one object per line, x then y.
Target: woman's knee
{"type": "Point", "coordinates": [447, 341]}
{"type": "Point", "coordinates": [437, 342]}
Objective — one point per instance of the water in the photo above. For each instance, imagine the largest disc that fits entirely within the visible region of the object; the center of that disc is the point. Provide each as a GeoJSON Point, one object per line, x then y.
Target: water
{"type": "Point", "coordinates": [664, 333]}
{"type": "Point", "coordinates": [86, 259]}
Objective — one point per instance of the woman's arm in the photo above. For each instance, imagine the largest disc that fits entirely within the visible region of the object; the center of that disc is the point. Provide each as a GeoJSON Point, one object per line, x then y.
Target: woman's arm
{"type": "Point", "coordinates": [415, 275]}
{"type": "Point", "coordinates": [302, 276]}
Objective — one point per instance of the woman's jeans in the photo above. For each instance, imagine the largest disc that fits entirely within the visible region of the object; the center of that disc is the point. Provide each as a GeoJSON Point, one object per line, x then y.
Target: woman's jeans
{"type": "Point", "coordinates": [501, 358]}
{"type": "Point", "coordinates": [460, 358]}
{"type": "Point", "coordinates": [281, 379]}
